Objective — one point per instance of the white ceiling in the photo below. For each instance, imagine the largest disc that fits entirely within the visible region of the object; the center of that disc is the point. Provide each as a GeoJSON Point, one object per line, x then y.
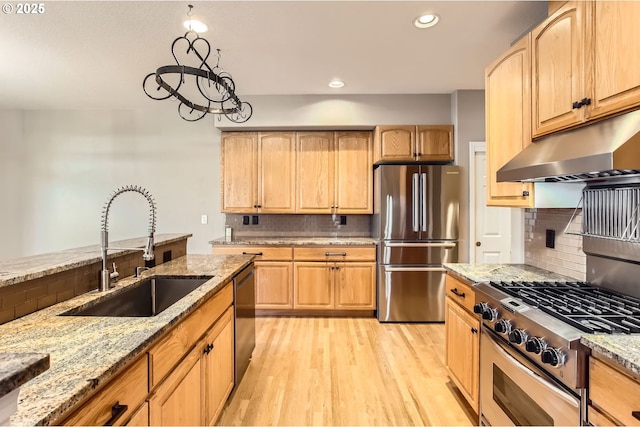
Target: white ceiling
{"type": "Point", "coordinates": [94, 54]}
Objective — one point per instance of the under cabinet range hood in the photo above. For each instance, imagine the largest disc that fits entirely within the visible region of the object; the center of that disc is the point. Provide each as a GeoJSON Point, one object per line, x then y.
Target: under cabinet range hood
{"type": "Point", "coordinates": [607, 149]}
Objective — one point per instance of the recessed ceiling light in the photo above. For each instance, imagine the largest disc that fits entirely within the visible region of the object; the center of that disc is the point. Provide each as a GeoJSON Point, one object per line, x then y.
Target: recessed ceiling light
{"type": "Point", "coordinates": [195, 25]}
{"type": "Point", "coordinates": [336, 84]}
{"type": "Point", "coordinates": [426, 21]}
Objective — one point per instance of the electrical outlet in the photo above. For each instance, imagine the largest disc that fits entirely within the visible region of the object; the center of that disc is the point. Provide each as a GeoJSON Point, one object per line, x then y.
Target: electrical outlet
{"type": "Point", "coordinates": [255, 220]}
{"type": "Point", "coordinates": [204, 219]}
{"type": "Point", "coordinates": [550, 240]}
{"type": "Point", "coordinates": [343, 220]}
{"type": "Point", "coordinates": [245, 220]}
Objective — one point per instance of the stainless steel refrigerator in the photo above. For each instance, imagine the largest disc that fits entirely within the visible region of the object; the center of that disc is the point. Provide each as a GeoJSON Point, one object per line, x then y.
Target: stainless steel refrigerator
{"type": "Point", "coordinates": [416, 221]}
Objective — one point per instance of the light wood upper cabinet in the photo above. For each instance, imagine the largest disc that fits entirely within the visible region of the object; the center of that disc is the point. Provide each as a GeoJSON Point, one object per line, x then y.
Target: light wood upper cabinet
{"type": "Point", "coordinates": [613, 35]}
{"type": "Point", "coordinates": [422, 143]}
{"type": "Point", "coordinates": [581, 64]}
{"type": "Point", "coordinates": [239, 152]}
{"type": "Point", "coordinates": [315, 172]}
{"type": "Point", "coordinates": [508, 123]}
{"type": "Point", "coordinates": [434, 143]}
{"type": "Point", "coordinates": [395, 143]}
{"type": "Point", "coordinates": [334, 172]}
{"type": "Point", "coordinates": [557, 57]}
{"type": "Point", "coordinates": [258, 172]}
{"type": "Point", "coordinates": [277, 168]}
{"type": "Point", "coordinates": [353, 173]}
{"type": "Point", "coordinates": [462, 350]}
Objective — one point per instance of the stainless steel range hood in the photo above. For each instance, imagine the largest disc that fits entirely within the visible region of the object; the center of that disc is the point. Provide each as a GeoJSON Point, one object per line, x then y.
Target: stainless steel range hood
{"type": "Point", "coordinates": [606, 149]}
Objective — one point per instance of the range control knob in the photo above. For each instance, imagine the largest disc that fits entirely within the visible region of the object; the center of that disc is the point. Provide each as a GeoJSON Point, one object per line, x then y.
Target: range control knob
{"type": "Point", "coordinates": [518, 336]}
{"type": "Point", "coordinates": [503, 327]}
{"type": "Point", "coordinates": [490, 314]}
{"type": "Point", "coordinates": [535, 345]}
{"type": "Point", "coordinates": [553, 356]}
{"type": "Point", "coordinates": [480, 307]}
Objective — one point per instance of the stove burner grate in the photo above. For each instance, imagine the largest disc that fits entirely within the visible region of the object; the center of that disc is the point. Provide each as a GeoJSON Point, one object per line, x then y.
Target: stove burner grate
{"type": "Point", "coordinates": [586, 307]}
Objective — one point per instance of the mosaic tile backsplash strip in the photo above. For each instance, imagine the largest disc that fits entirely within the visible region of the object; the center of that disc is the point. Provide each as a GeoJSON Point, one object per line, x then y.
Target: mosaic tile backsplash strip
{"type": "Point", "coordinates": [300, 226]}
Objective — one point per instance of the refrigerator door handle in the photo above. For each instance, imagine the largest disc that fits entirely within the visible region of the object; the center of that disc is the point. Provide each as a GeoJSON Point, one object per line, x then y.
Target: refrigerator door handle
{"type": "Point", "coordinates": [423, 198]}
{"type": "Point", "coordinates": [447, 245]}
{"type": "Point", "coordinates": [415, 206]}
{"type": "Point", "coordinates": [392, 269]}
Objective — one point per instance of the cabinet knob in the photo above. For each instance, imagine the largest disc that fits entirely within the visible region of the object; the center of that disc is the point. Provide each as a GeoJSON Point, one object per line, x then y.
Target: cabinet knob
{"type": "Point", "coordinates": [474, 331]}
{"type": "Point", "coordinates": [525, 194]}
{"type": "Point", "coordinates": [478, 244]}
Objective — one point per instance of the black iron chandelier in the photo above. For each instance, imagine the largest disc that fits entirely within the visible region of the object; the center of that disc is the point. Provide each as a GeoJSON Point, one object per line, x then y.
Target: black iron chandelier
{"type": "Point", "coordinates": [200, 90]}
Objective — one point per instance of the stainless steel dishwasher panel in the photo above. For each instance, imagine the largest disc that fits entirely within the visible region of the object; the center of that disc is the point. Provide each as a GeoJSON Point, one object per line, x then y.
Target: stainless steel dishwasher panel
{"type": "Point", "coordinates": [245, 319]}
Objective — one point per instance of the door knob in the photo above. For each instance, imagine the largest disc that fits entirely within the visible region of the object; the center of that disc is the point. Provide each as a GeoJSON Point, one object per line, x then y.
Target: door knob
{"type": "Point", "coordinates": [478, 243]}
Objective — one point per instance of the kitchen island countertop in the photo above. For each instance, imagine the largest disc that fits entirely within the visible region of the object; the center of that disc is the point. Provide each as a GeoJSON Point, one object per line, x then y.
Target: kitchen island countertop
{"type": "Point", "coordinates": [286, 241]}
{"type": "Point", "coordinates": [86, 352]}
{"type": "Point", "coordinates": [18, 368]}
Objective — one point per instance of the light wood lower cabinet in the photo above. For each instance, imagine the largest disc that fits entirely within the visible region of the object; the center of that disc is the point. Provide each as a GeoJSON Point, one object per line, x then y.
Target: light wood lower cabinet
{"type": "Point", "coordinates": [141, 417]}
{"type": "Point", "coordinates": [334, 278]}
{"type": "Point", "coordinates": [614, 392]}
{"type": "Point", "coordinates": [217, 367]}
{"type": "Point", "coordinates": [462, 342]}
{"type": "Point", "coordinates": [274, 284]}
{"type": "Point", "coordinates": [177, 401]}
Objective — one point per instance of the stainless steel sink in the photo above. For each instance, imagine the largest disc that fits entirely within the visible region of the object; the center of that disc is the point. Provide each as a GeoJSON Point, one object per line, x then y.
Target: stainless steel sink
{"type": "Point", "coordinates": [145, 299]}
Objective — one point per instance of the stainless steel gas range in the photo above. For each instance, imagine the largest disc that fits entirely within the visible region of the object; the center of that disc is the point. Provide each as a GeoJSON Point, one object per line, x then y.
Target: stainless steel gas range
{"type": "Point", "coordinates": [533, 369]}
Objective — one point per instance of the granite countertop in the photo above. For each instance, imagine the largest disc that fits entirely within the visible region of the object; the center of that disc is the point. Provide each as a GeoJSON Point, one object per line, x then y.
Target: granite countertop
{"type": "Point", "coordinates": [32, 267]}
{"type": "Point", "coordinates": [482, 273]}
{"type": "Point", "coordinates": [620, 348]}
{"type": "Point", "coordinates": [85, 351]}
{"type": "Point", "coordinates": [18, 368]}
{"type": "Point", "coordinates": [287, 241]}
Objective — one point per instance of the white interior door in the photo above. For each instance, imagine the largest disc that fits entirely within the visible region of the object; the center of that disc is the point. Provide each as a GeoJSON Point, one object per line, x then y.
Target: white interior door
{"type": "Point", "coordinates": [491, 226]}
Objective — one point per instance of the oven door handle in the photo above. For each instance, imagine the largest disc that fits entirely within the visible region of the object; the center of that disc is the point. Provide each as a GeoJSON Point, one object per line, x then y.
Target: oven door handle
{"type": "Point", "coordinates": [534, 376]}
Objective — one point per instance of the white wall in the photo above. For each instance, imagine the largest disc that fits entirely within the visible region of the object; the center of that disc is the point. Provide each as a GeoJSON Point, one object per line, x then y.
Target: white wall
{"type": "Point", "coordinates": [58, 168]}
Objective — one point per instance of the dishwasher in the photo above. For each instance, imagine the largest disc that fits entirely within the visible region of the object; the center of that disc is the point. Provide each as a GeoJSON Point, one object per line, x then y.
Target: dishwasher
{"type": "Point", "coordinates": [244, 297]}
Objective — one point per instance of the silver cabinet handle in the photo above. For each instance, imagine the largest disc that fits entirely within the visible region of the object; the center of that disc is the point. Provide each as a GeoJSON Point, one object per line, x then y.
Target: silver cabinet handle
{"type": "Point", "coordinates": [398, 269]}
{"type": "Point", "coordinates": [335, 254]}
{"type": "Point", "coordinates": [447, 245]}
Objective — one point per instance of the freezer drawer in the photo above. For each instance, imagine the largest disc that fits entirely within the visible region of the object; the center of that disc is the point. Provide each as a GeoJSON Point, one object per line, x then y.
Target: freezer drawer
{"type": "Point", "coordinates": [417, 253]}
{"type": "Point", "coordinates": [411, 293]}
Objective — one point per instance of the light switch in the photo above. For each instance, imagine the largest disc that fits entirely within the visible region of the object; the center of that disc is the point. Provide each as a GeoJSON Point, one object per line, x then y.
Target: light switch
{"type": "Point", "coordinates": [204, 219]}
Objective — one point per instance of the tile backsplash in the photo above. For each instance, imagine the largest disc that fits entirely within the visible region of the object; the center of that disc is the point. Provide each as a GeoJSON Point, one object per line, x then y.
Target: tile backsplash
{"type": "Point", "coordinates": [567, 257]}
{"type": "Point", "coordinates": [300, 226]}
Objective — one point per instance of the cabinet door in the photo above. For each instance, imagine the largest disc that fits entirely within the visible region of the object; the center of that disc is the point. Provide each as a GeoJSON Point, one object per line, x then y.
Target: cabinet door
{"type": "Point", "coordinates": [508, 122]}
{"type": "Point", "coordinates": [177, 401]}
{"type": "Point", "coordinates": [277, 169]}
{"type": "Point", "coordinates": [558, 69]}
{"type": "Point", "coordinates": [239, 172]}
{"type": "Point", "coordinates": [353, 173]}
{"type": "Point", "coordinates": [355, 285]}
{"type": "Point", "coordinates": [141, 416]}
{"type": "Point", "coordinates": [315, 172]}
{"type": "Point", "coordinates": [313, 285]}
{"type": "Point", "coordinates": [462, 350]}
{"type": "Point", "coordinates": [613, 33]}
{"type": "Point", "coordinates": [274, 285]}
{"type": "Point", "coordinates": [217, 367]}
{"type": "Point", "coordinates": [435, 143]}
{"type": "Point", "coordinates": [395, 143]}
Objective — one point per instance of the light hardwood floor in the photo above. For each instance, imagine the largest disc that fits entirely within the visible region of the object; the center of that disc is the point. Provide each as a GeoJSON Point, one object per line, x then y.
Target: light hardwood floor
{"type": "Point", "coordinates": [346, 371]}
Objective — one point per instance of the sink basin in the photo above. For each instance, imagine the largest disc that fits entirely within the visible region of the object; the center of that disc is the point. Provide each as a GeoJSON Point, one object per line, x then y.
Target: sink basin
{"type": "Point", "coordinates": [146, 299]}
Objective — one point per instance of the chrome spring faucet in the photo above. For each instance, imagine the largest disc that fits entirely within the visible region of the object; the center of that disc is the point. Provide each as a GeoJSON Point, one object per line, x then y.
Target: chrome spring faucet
{"type": "Point", "coordinates": [147, 255]}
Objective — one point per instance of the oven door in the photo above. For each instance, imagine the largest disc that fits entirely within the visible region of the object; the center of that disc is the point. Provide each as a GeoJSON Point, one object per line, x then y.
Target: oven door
{"type": "Point", "coordinates": [513, 391]}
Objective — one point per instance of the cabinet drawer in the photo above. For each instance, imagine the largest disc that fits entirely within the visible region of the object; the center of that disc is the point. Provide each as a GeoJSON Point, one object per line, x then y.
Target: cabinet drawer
{"type": "Point", "coordinates": [128, 388]}
{"type": "Point", "coordinates": [613, 392]}
{"type": "Point", "coordinates": [266, 253]}
{"type": "Point", "coordinates": [460, 292]}
{"type": "Point", "coordinates": [334, 253]}
{"type": "Point", "coordinates": [177, 342]}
